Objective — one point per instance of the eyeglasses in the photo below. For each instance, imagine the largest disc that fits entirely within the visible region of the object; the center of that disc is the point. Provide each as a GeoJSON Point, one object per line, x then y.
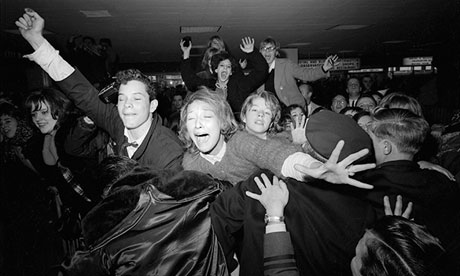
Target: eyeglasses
{"type": "Point", "coordinates": [268, 49]}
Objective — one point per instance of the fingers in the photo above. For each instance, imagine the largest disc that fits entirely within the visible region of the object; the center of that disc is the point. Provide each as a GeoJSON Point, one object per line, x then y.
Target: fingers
{"type": "Point", "coordinates": [247, 40]}
{"type": "Point", "coordinates": [336, 153]}
{"type": "Point", "coordinates": [359, 184]}
{"type": "Point", "coordinates": [408, 210]}
{"type": "Point", "coordinates": [253, 195]}
{"type": "Point", "coordinates": [303, 122]}
{"type": "Point", "coordinates": [259, 184]}
{"type": "Point", "coordinates": [387, 206]}
{"type": "Point", "coordinates": [266, 181]}
{"type": "Point", "coordinates": [20, 25]}
{"type": "Point", "coordinates": [360, 168]}
{"type": "Point", "coordinates": [398, 206]}
{"type": "Point", "coordinates": [353, 157]}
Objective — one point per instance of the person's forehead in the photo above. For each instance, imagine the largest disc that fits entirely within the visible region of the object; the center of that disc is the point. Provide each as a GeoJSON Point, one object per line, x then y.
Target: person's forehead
{"type": "Point", "coordinates": [366, 100]}
{"type": "Point", "coordinates": [353, 80]}
{"type": "Point", "coordinates": [200, 105]}
{"type": "Point", "coordinates": [42, 105]}
{"type": "Point", "coordinates": [225, 62]}
{"type": "Point", "coordinates": [338, 98]}
{"type": "Point", "coordinates": [133, 87]}
{"type": "Point", "coordinates": [267, 45]}
{"type": "Point", "coordinates": [177, 97]}
{"type": "Point", "coordinates": [259, 101]}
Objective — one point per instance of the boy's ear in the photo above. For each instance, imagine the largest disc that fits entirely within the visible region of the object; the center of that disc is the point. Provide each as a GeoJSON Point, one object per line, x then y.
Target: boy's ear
{"type": "Point", "coordinates": [387, 147]}
{"type": "Point", "coordinates": [153, 105]}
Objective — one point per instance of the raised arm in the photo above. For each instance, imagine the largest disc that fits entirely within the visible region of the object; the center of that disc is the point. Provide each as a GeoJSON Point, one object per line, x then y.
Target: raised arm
{"type": "Point", "coordinates": [71, 82]}
{"type": "Point", "coordinates": [247, 84]}
{"type": "Point", "coordinates": [191, 80]}
{"type": "Point", "coordinates": [278, 250]}
{"type": "Point", "coordinates": [313, 74]}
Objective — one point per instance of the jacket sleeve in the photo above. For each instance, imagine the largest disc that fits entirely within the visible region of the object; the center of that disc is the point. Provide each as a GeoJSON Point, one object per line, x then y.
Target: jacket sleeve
{"type": "Point", "coordinates": [85, 97]}
{"type": "Point", "coordinates": [306, 74]}
{"type": "Point", "coordinates": [76, 87]}
{"type": "Point", "coordinates": [227, 218]}
{"type": "Point", "coordinates": [279, 255]}
{"type": "Point", "coordinates": [249, 83]}
{"type": "Point", "coordinates": [191, 80]}
{"type": "Point", "coordinates": [267, 154]}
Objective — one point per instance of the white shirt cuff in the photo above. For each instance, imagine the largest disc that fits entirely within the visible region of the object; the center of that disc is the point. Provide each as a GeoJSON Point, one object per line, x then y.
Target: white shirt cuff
{"type": "Point", "coordinates": [301, 158]}
{"type": "Point", "coordinates": [51, 62]}
{"type": "Point", "coordinates": [276, 227]}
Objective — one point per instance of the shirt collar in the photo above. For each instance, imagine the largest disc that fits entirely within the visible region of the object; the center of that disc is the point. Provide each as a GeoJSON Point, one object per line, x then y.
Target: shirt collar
{"type": "Point", "coordinates": [272, 66]}
{"type": "Point", "coordinates": [217, 157]}
{"type": "Point", "coordinates": [131, 140]}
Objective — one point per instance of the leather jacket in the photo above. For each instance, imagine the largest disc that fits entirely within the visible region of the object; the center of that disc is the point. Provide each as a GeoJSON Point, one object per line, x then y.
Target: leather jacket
{"type": "Point", "coordinates": [138, 230]}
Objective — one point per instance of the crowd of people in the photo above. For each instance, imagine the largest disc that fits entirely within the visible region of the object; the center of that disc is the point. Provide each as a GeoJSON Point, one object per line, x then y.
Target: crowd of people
{"type": "Point", "coordinates": [244, 173]}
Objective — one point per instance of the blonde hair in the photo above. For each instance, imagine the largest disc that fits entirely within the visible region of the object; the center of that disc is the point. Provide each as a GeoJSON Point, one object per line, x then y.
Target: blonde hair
{"type": "Point", "coordinates": [270, 100]}
{"type": "Point", "coordinates": [221, 108]}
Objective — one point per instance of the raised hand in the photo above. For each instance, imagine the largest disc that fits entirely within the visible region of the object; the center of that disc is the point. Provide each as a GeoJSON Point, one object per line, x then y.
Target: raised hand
{"type": "Point", "coordinates": [247, 45]}
{"type": "Point", "coordinates": [330, 62]}
{"type": "Point", "coordinates": [31, 26]}
{"type": "Point", "coordinates": [298, 128]}
{"type": "Point", "coordinates": [398, 207]}
{"type": "Point", "coordinates": [185, 50]}
{"type": "Point", "coordinates": [274, 195]}
{"type": "Point", "coordinates": [339, 173]}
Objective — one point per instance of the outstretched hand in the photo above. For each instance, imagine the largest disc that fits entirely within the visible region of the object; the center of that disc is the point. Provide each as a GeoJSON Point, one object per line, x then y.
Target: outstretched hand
{"type": "Point", "coordinates": [247, 45]}
{"type": "Point", "coordinates": [339, 173]}
{"type": "Point", "coordinates": [31, 26]}
{"type": "Point", "coordinates": [298, 128]}
{"type": "Point", "coordinates": [274, 196]}
{"type": "Point", "coordinates": [398, 207]}
{"type": "Point", "coordinates": [330, 62]}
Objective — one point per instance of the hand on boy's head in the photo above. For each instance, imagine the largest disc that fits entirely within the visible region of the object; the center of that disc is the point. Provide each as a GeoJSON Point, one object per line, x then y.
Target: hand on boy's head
{"type": "Point", "coordinates": [398, 207]}
{"type": "Point", "coordinates": [274, 195]}
{"type": "Point", "coordinates": [339, 172]}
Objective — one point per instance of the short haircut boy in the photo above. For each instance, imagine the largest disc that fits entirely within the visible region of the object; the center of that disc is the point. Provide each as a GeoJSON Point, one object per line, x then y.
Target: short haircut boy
{"type": "Point", "coordinates": [402, 127]}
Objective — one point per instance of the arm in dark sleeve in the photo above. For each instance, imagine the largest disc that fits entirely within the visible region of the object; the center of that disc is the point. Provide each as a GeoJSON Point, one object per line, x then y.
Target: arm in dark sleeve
{"type": "Point", "coordinates": [191, 80]}
{"type": "Point", "coordinates": [85, 97]}
{"type": "Point", "coordinates": [258, 75]}
{"type": "Point", "coordinates": [227, 217]}
{"type": "Point", "coordinates": [243, 85]}
{"type": "Point", "coordinates": [279, 255]}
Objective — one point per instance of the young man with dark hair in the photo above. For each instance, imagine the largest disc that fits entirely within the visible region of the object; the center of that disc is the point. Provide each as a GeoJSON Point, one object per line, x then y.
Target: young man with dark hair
{"type": "Point", "coordinates": [133, 123]}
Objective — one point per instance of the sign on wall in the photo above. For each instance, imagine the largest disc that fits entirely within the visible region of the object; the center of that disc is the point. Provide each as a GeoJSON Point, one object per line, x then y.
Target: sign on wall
{"type": "Point", "coordinates": [345, 63]}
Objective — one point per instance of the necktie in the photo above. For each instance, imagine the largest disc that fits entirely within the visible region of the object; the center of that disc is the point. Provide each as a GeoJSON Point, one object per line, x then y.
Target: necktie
{"type": "Point", "coordinates": [126, 144]}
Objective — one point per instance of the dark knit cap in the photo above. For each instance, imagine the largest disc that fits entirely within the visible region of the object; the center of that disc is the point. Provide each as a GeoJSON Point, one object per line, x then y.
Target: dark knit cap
{"type": "Point", "coordinates": [326, 128]}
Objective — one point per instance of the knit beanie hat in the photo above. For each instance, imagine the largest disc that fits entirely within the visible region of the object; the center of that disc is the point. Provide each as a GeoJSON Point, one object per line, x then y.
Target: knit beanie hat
{"type": "Point", "coordinates": [326, 128]}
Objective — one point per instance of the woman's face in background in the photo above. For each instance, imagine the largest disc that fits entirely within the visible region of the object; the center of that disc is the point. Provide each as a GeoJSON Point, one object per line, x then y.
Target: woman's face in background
{"type": "Point", "coordinates": [8, 126]}
{"type": "Point", "coordinates": [42, 118]}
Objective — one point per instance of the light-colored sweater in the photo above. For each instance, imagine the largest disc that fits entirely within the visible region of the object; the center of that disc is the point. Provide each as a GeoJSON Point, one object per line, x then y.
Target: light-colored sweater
{"type": "Point", "coordinates": [245, 154]}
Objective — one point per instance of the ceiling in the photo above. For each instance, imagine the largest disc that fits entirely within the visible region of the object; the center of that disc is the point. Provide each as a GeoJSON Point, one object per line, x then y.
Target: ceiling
{"type": "Point", "coordinates": [149, 30]}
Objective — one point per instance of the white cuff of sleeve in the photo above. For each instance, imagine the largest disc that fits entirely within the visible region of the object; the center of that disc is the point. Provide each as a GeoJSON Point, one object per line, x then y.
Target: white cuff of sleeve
{"type": "Point", "coordinates": [301, 158]}
{"type": "Point", "coordinates": [51, 62]}
{"type": "Point", "coordinates": [276, 227]}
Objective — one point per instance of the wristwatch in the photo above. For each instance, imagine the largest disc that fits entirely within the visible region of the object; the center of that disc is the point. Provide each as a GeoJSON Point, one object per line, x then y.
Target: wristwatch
{"type": "Point", "coordinates": [276, 219]}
